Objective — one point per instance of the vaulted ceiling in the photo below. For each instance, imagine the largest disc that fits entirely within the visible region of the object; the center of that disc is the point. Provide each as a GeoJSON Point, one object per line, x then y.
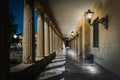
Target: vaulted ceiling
{"type": "Point", "coordinates": [67, 13]}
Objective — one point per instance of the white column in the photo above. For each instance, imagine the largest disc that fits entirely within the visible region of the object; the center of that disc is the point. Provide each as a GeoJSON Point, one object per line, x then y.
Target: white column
{"type": "Point", "coordinates": [40, 38]}
{"type": "Point", "coordinates": [46, 38]}
{"type": "Point", "coordinates": [28, 32]}
{"type": "Point", "coordinates": [55, 40]}
{"type": "Point", "coordinates": [51, 38]}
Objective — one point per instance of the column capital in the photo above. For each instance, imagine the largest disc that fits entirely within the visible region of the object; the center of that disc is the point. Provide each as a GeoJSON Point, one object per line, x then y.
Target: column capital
{"type": "Point", "coordinates": [53, 27]}
{"type": "Point", "coordinates": [46, 17]}
{"type": "Point", "coordinates": [41, 14]}
{"type": "Point", "coordinates": [47, 20]}
{"type": "Point", "coordinates": [29, 2]}
{"type": "Point", "coordinates": [50, 23]}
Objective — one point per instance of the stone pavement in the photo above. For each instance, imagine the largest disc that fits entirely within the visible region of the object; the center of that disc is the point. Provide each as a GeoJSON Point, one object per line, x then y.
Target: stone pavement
{"type": "Point", "coordinates": [68, 66]}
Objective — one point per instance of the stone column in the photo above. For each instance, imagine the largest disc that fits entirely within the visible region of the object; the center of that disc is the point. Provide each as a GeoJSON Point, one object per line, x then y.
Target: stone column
{"type": "Point", "coordinates": [83, 38]}
{"type": "Point", "coordinates": [59, 42]}
{"type": "Point", "coordinates": [55, 42]}
{"type": "Point", "coordinates": [51, 40]}
{"type": "Point", "coordinates": [80, 39]}
{"type": "Point", "coordinates": [71, 44]}
{"type": "Point", "coordinates": [40, 36]}
{"type": "Point", "coordinates": [78, 43]}
{"type": "Point", "coordinates": [46, 34]}
{"type": "Point", "coordinates": [74, 45]}
{"type": "Point", "coordinates": [28, 55]}
{"type": "Point", "coordinates": [4, 41]}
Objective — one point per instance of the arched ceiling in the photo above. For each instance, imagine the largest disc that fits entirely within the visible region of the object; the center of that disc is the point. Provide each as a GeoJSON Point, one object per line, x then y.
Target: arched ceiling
{"type": "Point", "coordinates": [67, 13]}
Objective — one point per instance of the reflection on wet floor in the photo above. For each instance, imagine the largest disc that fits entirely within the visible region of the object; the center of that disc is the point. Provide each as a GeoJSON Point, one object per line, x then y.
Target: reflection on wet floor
{"type": "Point", "coordinates": [68, 66]}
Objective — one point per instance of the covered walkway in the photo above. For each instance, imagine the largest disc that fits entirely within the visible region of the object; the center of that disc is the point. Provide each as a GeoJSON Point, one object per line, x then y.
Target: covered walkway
{"type": "Point", "coordinates": [88, 27]}
{"type": "Point", "coordinates": [68, 66]}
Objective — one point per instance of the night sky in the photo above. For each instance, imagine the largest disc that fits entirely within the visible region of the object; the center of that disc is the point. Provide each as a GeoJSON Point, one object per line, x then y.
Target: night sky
{"type": "Point", "coordinates": [17, 8]}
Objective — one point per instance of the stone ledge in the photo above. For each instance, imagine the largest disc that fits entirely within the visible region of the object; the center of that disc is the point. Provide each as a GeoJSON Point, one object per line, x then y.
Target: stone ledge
{"type": "Point", "coordinates": [20, 67]}
{"type": "Point", "coordinates": [30, 71]}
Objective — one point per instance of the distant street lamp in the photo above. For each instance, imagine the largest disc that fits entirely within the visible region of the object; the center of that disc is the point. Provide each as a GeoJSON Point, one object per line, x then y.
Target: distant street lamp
{"type": "Point", "coordinates": [15, 36]}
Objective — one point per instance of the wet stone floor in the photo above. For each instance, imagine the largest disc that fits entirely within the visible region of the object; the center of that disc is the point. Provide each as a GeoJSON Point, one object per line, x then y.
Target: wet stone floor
{"type": "Point", "coordinates": [68, 66]}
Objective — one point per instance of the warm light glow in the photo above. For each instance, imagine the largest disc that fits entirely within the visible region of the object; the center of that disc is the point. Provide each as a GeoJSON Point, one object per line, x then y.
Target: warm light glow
{"type": "Point", "coordinates": [89, 15]}
{"type": "Point", "coordinates": [72, 33]}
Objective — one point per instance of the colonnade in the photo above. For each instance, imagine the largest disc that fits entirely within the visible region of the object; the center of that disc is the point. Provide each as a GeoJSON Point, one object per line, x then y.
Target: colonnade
{"type": "Point", "coordinates": [75, 44]}
{"type": "Point", "coordinates": [48, 40]}
{"type": "Point", "coordinates": [80, 42]}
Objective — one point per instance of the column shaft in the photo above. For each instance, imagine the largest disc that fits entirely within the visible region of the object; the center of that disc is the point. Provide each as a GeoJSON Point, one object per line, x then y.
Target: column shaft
{"type": "Point", "coordinates": [55, 42]}
{"type": "Point", "coordinates": [51, 42]}
{"type": "Point", "coordinates": [46, 33]}
{"type": "Point", "coordinates": [48, 37]}
{"type": "Point", "coordinates": [28, 55]}
{"type": "Point", "coordinates": [40, 38]}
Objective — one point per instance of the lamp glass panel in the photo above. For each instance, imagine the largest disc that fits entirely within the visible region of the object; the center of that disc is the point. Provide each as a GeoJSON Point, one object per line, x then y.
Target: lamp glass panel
{"type": "Point", "coordinates": [89, 16]}
{"type": "Point", "coordinates": [72, 33]}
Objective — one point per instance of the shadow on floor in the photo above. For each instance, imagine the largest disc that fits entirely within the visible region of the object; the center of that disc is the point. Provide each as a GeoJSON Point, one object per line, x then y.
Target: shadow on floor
{"type": "Point", "coordinates": [54, 67]}
{"type": "Point", "coordinates": [31, 72]}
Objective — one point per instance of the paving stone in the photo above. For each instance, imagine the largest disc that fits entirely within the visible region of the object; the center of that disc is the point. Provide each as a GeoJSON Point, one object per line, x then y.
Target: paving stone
{"type": "Point", "coordinates": [68, 66]}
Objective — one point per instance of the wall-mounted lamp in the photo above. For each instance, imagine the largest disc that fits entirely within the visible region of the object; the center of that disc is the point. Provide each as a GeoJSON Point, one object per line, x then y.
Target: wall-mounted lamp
{"type": "Point", "coordinates": [104, 20]}
{"type": "Point", "coordinates": [71, 36]}
{"type": "Point", "coordinates": [89, 15]}
{"type": "Point", "coordinates": [72, 33]}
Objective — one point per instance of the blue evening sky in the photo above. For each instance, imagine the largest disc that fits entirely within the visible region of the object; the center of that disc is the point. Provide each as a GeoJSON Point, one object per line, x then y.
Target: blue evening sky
{"type": "Point", "coordinates": [17, 8]}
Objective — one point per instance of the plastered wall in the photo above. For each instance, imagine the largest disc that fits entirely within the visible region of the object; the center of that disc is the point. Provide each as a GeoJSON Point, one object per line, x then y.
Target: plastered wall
{"type": "Point", "coordinates": [108, 52]}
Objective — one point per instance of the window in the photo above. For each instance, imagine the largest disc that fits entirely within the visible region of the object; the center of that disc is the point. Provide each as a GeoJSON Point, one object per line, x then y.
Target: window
{"type": "Point", "coordinates": [96, 33]}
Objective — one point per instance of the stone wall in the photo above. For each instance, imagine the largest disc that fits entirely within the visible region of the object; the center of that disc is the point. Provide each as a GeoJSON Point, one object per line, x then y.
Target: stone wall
{"type": "Point", "coordinates": [108, 52]}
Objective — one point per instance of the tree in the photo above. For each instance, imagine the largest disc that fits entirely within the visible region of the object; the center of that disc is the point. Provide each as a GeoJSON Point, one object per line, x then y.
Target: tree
{"type": "Point", "coordinates": [12, 27]}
